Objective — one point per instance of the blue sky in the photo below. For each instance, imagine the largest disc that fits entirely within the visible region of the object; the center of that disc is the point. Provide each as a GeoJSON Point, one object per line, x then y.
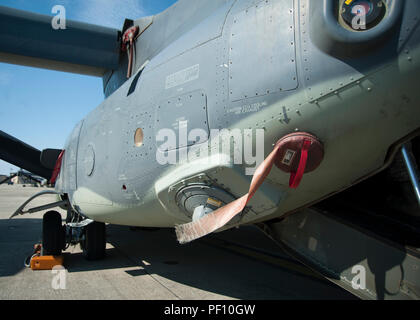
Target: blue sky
{"type": "Point", "coordinates": [41, 107]}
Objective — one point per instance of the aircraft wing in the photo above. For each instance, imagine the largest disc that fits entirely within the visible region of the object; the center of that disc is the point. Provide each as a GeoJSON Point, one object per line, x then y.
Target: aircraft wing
{"type": "Point", "coordinates": [29, 39]}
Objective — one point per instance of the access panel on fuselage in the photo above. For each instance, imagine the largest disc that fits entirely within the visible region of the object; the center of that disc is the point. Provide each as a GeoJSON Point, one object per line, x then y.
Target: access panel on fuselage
{"type": "Point", "coordinates": [262, 57]}
{"type": "Point", "coordinates": [181, 115]}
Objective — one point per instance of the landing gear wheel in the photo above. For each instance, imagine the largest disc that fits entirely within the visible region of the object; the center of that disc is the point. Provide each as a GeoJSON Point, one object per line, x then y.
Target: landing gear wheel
{"type": "Point", "coordinates": [53, 235]}
{"type": "Point", "coordinates": [95, 241]}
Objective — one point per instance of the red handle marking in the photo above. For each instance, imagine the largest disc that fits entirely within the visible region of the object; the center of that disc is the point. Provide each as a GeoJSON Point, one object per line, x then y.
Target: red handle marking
{"type": "Point", "coordinates": [296, 177]}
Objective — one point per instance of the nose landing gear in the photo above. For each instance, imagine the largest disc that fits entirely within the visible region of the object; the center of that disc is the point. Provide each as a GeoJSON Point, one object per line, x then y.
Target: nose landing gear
{"type": "Point", "coordinates": [94, 241]}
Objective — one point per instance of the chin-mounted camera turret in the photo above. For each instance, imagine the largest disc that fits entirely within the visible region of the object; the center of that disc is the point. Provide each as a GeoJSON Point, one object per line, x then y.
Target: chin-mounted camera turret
{"type": "Point", "coordinates": [362, 15]}
{"type": "Point", "coordinates": [354, 27]}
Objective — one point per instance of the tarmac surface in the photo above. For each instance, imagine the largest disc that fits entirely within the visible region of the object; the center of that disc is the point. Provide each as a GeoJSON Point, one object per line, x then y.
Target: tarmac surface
{"type": "Point", "coordinates": [150, 264]}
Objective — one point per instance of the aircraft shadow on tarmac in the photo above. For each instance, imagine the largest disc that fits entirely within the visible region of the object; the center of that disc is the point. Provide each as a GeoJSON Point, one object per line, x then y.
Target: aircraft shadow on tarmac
{"type": "Point", "coordinates": [199, 264]}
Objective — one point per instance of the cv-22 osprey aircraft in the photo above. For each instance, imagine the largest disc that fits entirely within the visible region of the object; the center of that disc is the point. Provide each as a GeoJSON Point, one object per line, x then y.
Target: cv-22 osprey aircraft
{"type": "Point", "coordinates": [235, 112]}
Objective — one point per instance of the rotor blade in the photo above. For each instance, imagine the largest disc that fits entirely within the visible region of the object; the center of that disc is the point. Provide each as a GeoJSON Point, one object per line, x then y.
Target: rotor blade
{"type": "Point", "coordinates": [29, 39]}
{"type": "Point", "coordinates": [22, 155]}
